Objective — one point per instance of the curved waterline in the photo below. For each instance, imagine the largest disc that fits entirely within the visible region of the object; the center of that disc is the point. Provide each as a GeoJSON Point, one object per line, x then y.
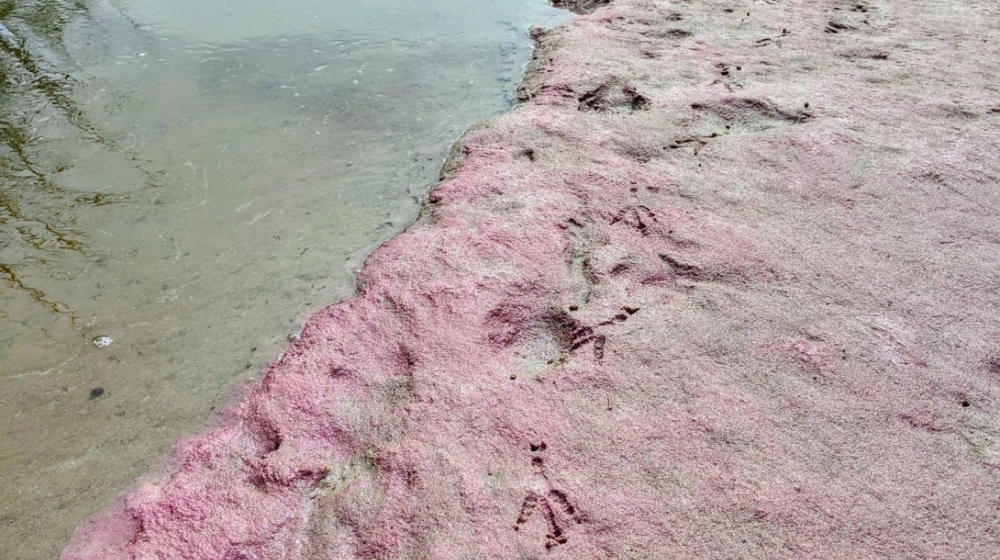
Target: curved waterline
{"type": "Point", "coordinates": [189, 200]}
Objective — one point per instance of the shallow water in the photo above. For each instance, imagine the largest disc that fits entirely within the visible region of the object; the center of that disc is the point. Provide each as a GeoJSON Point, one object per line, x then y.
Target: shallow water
{"type": "Point", "coordinates": [180, 184]}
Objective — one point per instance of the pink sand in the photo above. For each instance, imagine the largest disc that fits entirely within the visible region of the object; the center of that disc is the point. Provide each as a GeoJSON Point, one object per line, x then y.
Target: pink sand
{"type": "Point", "coordinates": [663, 309]}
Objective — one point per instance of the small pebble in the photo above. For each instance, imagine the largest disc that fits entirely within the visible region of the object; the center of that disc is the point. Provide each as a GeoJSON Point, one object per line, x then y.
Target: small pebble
{"type": "Point", "coordinates": [95, 392]}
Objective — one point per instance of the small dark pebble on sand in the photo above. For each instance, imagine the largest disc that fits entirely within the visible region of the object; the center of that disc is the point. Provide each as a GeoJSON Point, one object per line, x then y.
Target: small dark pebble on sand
{"type": "Point", "coordinates": [95, 392]}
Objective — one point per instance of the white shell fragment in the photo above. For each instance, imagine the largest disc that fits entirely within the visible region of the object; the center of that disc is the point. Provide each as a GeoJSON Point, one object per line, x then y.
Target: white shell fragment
{"type": "Point", "coordinates": [102, 341]}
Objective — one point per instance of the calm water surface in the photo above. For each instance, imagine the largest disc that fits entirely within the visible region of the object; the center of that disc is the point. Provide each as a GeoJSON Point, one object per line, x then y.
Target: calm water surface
{"type": "Point", "coordinates": [181, 182]}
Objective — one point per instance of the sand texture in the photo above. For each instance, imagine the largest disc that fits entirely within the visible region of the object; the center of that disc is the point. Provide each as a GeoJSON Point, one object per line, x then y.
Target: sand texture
{"type": "Point", "coordinates": [725, 285]}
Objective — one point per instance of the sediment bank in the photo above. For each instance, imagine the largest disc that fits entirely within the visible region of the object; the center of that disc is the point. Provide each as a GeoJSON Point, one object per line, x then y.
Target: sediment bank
{"type": "Point", "coordinates": [724, 285]}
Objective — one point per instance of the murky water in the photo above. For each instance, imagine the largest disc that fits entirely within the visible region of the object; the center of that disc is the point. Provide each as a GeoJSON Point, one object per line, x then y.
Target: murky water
{"type": "Point", "coordinates": [180, 184]}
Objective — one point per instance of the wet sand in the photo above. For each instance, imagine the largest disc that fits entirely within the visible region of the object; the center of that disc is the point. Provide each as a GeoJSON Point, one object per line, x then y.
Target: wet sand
{"type": "Point", "coordinates": [723, 285]}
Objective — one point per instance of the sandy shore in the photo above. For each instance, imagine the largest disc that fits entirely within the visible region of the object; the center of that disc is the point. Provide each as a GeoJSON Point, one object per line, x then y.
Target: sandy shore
{"type": "Point", "coordinates": [723, 286]}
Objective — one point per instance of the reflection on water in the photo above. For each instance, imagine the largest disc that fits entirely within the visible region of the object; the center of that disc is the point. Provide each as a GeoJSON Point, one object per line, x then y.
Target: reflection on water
{"type": "Point", "coordinates": [180, 183]}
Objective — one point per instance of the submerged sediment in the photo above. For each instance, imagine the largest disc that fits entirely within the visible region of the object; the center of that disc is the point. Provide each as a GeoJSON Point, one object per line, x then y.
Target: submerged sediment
{"type": "Point", "coordinates": [724, 285]}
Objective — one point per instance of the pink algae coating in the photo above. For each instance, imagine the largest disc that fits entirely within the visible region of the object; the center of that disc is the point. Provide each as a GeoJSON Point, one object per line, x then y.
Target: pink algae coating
{"type": "Point", "coordinates": [661, 310]}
